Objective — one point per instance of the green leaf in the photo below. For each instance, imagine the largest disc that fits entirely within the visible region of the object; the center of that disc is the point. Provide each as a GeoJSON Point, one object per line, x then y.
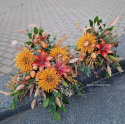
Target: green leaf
{"type": "Point", "coordinates": [52, 100]}
{"type": "Point", "coordinates": [86, 70]}
{"type": "Point", "coordinates": [65, 101]}
{"type": "Point", "coordinates": [112, 58]}
{"type": "Point", "coordinates": [13, 107]}
{"type": "Point", "coordinates": [27, 74]}
{"type": "Point", "coordinates": [91, 23]}
{"type": "Point", "coordinates": [110, 29]}
{"type": "Point", "coordinates": [35, 30]}
{"type": "Point", "coordinates": [96, 19]}
{"type": "Point", "coordinates": [46, 102]}
{"type": "Point", "coordinates": [30, 35]}
{"type": "Point", "coordinates": [66, 84]}
{"type": "Point", "coordinates": [56, 94]}
{"type": "Point", "coordinates": [107, 75]}
{"type": "Point", "coordinates": [14, 102]}
{"type": "Point", "coordinates": [29, 42]}
{"type": "Point", "coordinates": [57, 108]}
{"type": "Point", "coordinates": [63, 108]}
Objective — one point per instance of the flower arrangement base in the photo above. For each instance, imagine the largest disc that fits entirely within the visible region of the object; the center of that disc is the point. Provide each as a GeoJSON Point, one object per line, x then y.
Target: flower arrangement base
{"type": "Point", "coordinates": [100, 92]}
{"type": "Point", "coordinates": [85, 80]}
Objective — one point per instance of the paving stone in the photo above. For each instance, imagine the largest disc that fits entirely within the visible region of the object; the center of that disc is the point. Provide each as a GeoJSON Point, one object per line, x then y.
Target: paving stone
{"type": "Point", "coordinates": [6, 69]}
{"type": "Point", "coordinates": [7, 62]}
{"type": "Point", "coordinates": [8, 55]}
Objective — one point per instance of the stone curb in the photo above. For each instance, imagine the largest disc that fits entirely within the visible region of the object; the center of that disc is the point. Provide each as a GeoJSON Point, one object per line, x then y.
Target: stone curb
{"type": "Point", "coordinates": [26, 103]}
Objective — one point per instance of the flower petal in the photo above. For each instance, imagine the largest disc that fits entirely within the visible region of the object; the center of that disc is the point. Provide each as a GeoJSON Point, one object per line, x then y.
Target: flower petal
{"type": "Point", "coordinates": [108, 46]}
{"type": "Point", "coordinates": [36, 57]}
{"type": "Point", "coordinates": [47, 64]}
{"type": "Point", "coordinates": [41, 68]}
{"type": "Point", "coordinates": [103, 42]}
{"type": "Point", "coordinates": [36, 63]}
{"type": "Point", "coordinates": [99, 46]}
{"type": "Point", "coordinates": [65, 69]}
{"type": "Point", "coordinates": [110, 51]}
{"type": "Point", "coordinates": [99, 52]}
{"type": "Point", "coordinates": [43, 55]}
{"type": "Point", "coordinates": [104, 54]}
{"type": "Point", "coordinates": [58, 62]}
{"type": "Point", "coordinates": [49, 58]}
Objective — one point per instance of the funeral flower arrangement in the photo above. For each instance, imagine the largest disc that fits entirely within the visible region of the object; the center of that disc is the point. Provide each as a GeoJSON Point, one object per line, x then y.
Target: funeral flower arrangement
{"type": "Point", "coordinates": [96, 47]}
{"type": "Point", "coordinates": [45, 70]}
{"type": "Point", "coordinates": [48, 70]}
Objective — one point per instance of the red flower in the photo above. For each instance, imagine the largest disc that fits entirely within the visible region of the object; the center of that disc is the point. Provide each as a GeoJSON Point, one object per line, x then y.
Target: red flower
{"type": "Point", "coordinates": [104, 49]}
{"type": "Point", "coordinates": [42, 60]}
{"type": "Point", "coordinates": [61, 67]}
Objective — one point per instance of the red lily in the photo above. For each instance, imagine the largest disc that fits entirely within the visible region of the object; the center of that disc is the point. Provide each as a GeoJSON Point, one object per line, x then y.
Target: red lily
{"type": "Point", "coordinates": [42, 60]}
{"type": "Point", "coordinates": [104, 49]}
{"type": "Point", "coordinates": [61, 67]}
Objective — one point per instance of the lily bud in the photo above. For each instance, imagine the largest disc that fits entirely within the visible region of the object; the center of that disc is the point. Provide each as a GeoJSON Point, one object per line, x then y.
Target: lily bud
{"type": "Point", "coordinates": [33, 74]}
{"type": "Point", "coordinates": [28, 77]}
{"type": "Point", "coordinates": [36, 41]}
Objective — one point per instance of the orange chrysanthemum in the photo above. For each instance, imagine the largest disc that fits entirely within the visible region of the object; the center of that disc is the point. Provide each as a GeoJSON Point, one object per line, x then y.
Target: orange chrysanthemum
{"type": "Point", "coordinates": [59, 52]}
{"type": "Point", "coordinates": [48, 79]}
{"type": "Point", "coordinates": [86, 43]}
{"type": "Point", "coordinates": [23, 60]}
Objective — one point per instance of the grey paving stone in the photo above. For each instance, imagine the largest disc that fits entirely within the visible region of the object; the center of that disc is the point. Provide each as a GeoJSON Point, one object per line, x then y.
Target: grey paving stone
{"type": "Point", "coordinates": [7, 62]}
{"type": "Point", "coordinates": [6, 69]}
{"type": "Point", "coordinates": [8, 55]}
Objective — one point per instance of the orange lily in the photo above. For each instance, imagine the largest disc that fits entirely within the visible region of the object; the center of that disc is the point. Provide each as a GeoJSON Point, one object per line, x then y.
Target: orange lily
{"type": "Point", "coordinates": [104, 49]}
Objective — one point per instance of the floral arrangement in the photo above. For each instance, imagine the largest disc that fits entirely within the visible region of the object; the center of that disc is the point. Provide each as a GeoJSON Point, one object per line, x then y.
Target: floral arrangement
{"type": "Point", "coordinates": [45, 70]}
{"type": "Point", "coordinates": [48, 70]}
{"type": "Point", "coordinates": [96, 47]}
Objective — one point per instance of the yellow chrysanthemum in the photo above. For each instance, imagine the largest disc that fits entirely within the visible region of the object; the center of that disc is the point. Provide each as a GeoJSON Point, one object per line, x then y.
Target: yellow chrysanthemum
{"type": "Point", "coordinates": [48, 79]}
{"type": "Point", "coordinates": [59, 52]}
{"type": "Point", "coordinates": [23, 60]}
{"type": "Point", "coordinates": [86, 43]}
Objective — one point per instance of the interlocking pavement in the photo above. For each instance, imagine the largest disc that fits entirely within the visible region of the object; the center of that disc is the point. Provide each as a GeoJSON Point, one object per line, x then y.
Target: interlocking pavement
{"type": "Point", "coordinates": [55, 16]}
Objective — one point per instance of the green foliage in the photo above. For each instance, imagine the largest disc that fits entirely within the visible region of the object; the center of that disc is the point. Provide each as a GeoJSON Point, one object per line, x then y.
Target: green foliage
{"type": "Point", "coordinates": [56, 94]}
{"type": "Point", "coordinates": [35, 30]}
{"type": "Point", "coordinates": [86, 70]}
{"type": "Point", "coordinates": [63, 108]}
{"type": "Point", "coordinates": [53, 110]}
{"type": "Point", "coordinates": [107, 75]}
{"type": "Point", "coordinates": [65, 101]}
{"type": "Point", "coordinates": [46, 102]}
{"type": "Point", "coordinates": [91, 23]}
{"type": "Point", "coordinates": [29, 43]}
{"type": "Point", "coordinates": [110, 29]}
{"type": "Point", "coordinates": [96, 19]}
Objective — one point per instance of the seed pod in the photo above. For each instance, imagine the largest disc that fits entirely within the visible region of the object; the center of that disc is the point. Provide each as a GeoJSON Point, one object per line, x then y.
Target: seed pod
{"type": "Point", "coordinates": [36, 41]}
{"type": "Point", "coordinates": [37, 36]}
{"type": "Point", "coordinates": [43, 44]}
{"type": "Point", "coordinates": [27, 77]}
{"type": "Point", "coordinates": [39, 50]}
{"type": "Point", "coordinates": [93, 55]}
{"type": "Point", "coordinates": [35, 67]}
{"type": "Point", "coordinates": [86, 43]}
{"type": "Point", "coordinates": [33, 74]}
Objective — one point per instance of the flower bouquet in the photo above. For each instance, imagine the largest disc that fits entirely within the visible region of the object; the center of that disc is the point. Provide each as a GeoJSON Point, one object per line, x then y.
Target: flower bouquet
{"type": "Point", "coordinates": [45, 70]}
{"type": "Point", "coordinates": [96, 47]}
{"type": "Point", "coordinates": [48, 70]}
